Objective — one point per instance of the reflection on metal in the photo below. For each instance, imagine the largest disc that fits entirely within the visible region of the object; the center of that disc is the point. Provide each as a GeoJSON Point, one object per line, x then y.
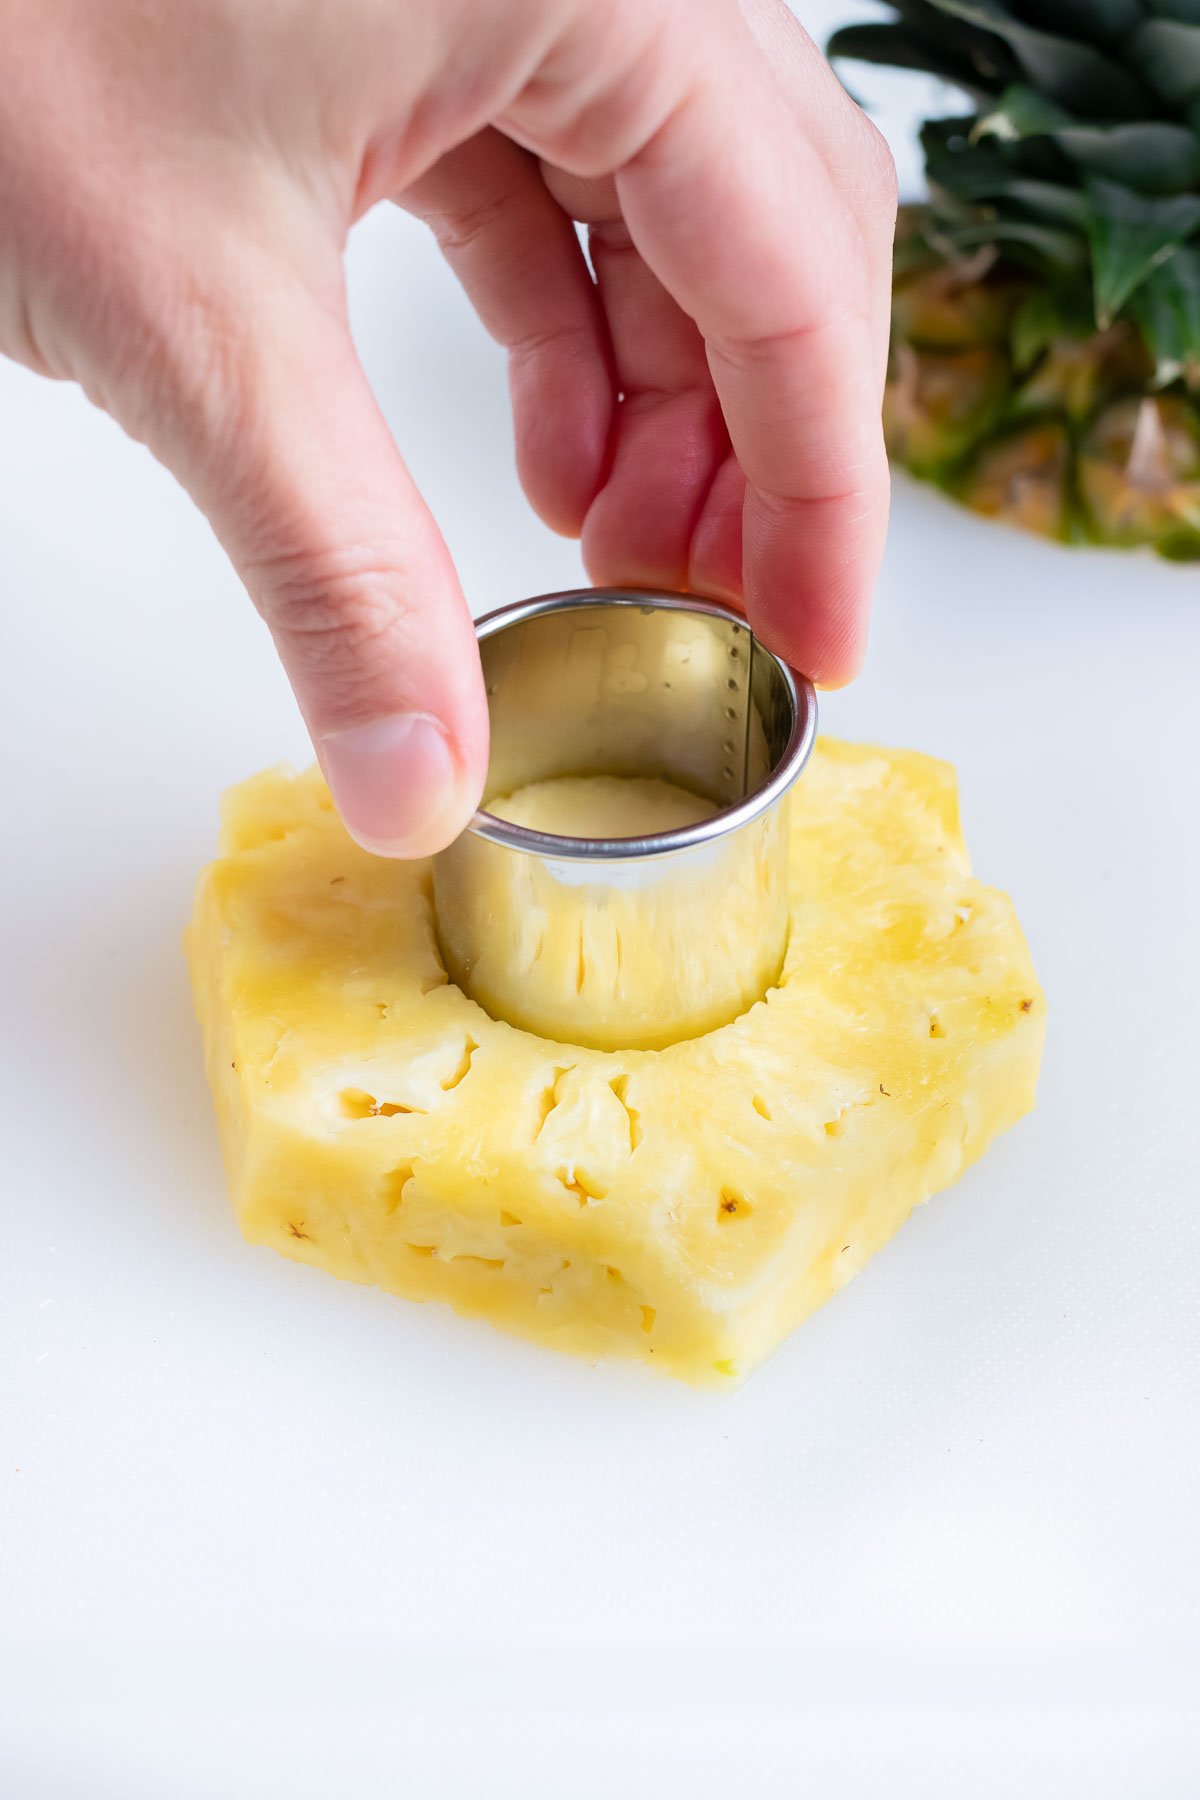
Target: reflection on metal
{"type": "Point", "coordinates": [624, 682]}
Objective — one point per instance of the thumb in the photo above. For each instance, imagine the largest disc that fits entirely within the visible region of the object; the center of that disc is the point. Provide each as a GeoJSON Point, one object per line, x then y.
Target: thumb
{"type": "Point", "coordinates": [307, 491]}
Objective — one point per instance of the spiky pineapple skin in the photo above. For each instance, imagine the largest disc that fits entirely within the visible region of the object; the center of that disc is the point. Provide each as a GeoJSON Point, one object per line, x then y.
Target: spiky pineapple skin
{"type": "Point", "coordinates": [688, 1206]}
{"type": "Point", "coordinates": [1020, 445]}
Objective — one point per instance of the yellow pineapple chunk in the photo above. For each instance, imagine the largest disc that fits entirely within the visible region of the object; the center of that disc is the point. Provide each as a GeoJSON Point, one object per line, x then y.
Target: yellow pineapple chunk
{"type": "Point", "coordinates": [602, 806]}
{"type": "Point", "coordinates": [688, 1206]}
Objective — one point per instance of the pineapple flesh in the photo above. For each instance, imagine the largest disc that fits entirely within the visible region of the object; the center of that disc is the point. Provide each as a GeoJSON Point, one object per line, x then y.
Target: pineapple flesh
{"type": "Point", "coordinates": [685, 1206]}
{"type": "Point", "coordinates": [1048, 293]}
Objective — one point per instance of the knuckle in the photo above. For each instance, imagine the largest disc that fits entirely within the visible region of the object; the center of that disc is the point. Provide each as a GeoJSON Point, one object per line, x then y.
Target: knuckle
{"type": "Point", "coordinates": [608, 79]}
{"type": "Point", "coordinates": [334, 609]}
{"type": "Point", "coordinates": [878, 185]}
{"type": "Point", "coordinates": [460, 228]}
{"type": "Point", "coordinates": [571, 336]}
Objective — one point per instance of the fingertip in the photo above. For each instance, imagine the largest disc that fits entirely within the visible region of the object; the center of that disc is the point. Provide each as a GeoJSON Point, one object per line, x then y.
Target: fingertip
{"type": "Point", "coordinates": [830, 657]}
{"type": "Point", "coordinates": [810, 569]}
{"type": "Point", "coordinates": [399, 787]}
{"type": "Point", "coordinates": [844, 662]}
{"type": "Point", "coordinates": [563, 415]}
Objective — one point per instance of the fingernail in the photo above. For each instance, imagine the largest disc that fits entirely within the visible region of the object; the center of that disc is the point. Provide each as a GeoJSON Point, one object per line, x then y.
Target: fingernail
{"type": "Point", "coordinates": [394, 783]}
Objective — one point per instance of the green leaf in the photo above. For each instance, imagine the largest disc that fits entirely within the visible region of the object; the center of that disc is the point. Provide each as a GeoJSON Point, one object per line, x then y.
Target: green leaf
{"type": "Point", "coordinates": [1130, 236]}
{"type": "Point", "coordinates": [898, 47]}
{"type": "Point", "coordinates": [1100, 21]}
{"type": "Point", "coordinates": [1167, 311]}
{"type": "Point", "coordinates": [977, 174]}
{"type": "Point", "coordinates": [1036, 157]}
{"type": "Point", "coordinates": [1187, 11]}
{"type": "Point", "coordinates": [1045, 247]}
{"type": "Point", "coordinates": [1152, 156]}
{"type": "Point", "coordinates": [1078, 75]}
{"type": "Point", "coordinates": [1022, 112]}
{"type": "Point", "coordinates": [1051, 313]}
{"type": "Point", "coordinates": [1047, 200]}
{"type": "Point", "coordinates": [1167, 54]}
{"type": "Point", "coordinates": [1027, 175]}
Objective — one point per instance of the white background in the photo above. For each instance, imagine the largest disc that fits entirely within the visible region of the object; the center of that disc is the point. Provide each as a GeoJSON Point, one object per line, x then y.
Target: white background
{"type": "Point", "coordinates": [265, 1534]}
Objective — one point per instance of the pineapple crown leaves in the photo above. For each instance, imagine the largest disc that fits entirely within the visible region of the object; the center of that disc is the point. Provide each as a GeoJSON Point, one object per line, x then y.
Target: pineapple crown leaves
{"type": "Point", "coordinates": [1083, 154]}
{"type": "Point", "coordinates": [1167, 310]}
{"type": "Point", "coordinates": [1130, 237]}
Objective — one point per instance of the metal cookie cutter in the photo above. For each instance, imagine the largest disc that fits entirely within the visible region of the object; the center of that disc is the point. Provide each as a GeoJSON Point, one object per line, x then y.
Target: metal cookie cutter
{"type": "Point", "coordinates": [637, 942]}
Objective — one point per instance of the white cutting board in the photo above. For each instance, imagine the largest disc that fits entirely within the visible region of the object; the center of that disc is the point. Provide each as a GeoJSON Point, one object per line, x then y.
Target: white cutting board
{"type": "Point", "coordinates": [262, 1533]}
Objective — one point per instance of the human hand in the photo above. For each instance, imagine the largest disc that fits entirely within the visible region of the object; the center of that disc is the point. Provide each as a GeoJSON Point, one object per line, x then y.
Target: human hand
{"type": "Point", "coordinates": [176, 186]}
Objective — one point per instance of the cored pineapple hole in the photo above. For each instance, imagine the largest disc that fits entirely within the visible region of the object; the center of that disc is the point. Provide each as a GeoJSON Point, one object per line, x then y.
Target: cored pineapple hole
{"type": "Point", "coordinates": [761, 1108]}
{"type": "Point", "coordinates": [936, 1028]}
{"type": "Point", "coordinates": [509, 1218]}
{"type": "Point", "coordinates": [648, 1317]}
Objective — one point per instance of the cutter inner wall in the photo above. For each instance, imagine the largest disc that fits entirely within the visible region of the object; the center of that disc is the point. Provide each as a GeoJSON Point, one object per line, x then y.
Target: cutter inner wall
{"type": "Point", "coordinates": [627, 690]}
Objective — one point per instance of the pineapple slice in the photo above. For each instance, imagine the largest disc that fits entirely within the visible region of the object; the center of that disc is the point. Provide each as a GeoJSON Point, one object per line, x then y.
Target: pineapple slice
{"type": "Point", "coordinates": [687, 1206]}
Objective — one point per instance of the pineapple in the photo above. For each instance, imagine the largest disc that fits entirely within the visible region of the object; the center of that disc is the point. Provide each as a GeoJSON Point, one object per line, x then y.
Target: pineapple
{"type": "Point", "coordinates": [686, 1206]}
{"type": "Point", "coordinates": [1046, 301]}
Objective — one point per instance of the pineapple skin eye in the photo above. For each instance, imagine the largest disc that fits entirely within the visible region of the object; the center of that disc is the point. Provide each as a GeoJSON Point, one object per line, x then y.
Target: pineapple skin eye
{"type": "Point", "coordinates": [687, 1206]}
